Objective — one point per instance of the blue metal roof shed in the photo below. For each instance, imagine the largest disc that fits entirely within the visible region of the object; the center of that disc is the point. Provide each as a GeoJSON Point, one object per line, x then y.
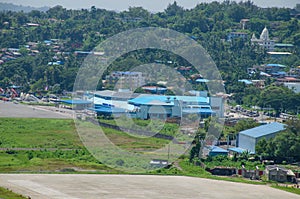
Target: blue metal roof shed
{"type": "Point", "coordinates": [248, 139]}
{"type": "Point", "coordinates": [264, 130]}
{"type": "Point", "coordinates": [246, 81]}
{"type": "Point", "coordinates": [214, 151]}
{"type": "Point", "coordinates": [237, 150]}
{"type": "Point", "coordinates": [108, 110]}
{"type": "Point", "coordinates": [202, 80]}
{"type": "Point", "coordinates": [76, 102]}
{"type": "Point", "coordinates": [167, 100]}
{"type": "Point", "coordinates": [276, 65]}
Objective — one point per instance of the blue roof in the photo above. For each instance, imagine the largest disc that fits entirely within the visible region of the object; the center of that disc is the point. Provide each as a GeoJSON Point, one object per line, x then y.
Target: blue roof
{"type": "Point", "coordinates": [265, 74]}
{"type": "Point", "coordinates": [109, 110]}
{"type": "Point", "coordinates": [216, 149]}
{"type": "Point", "coordinates": [151, 100]}
{"type": "Point", "coordinates": [126, 73]}
{"type": "Point", "coordinates": [237, 149]}
{"type": "Point", "coordinates": [147, 100]}
{"type": "Point", "coordinates": [197, 110]}
{"type": "Point", "coordinates": [263, 130]}
{"type": "Point", "coordinates": [197, 99]}
{"type": "Point", "coordinates": [246, 81]}
{"type": "Point", "coordinates": [276, 65]}
{"type": "Point", "coordinates": [202, 80]}
{"type": "Point", "coordinates": [279, 73]}
{"type": "Point", "coordinates": [76, 102]}
{"type": "Point", "coordinates": [283, 45]}
{"type": "Point", "coordinates": [14, 86]}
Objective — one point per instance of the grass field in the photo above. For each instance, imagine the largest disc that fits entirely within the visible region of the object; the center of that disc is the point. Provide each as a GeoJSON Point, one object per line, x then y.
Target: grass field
{"type": "Point", "coordinates": [288, 189]}
{"type": "Point", "coordinates": [146, 125]}
{"type": "Point", "coordinates": [38, 133]}
{"type": "Point", "coordinates": [7, 194]}
{"type": "Point", "coordinates": [53, 145]}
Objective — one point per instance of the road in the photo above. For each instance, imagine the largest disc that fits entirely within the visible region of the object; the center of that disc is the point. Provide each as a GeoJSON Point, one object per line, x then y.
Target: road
{"type": "Point", "coordinates": [75, 186]}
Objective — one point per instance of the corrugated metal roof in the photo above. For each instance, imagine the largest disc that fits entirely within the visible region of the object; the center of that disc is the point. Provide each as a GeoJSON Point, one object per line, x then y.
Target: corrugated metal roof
{"type": "Point", "coordinates": [109, 110]}
{"type": "Point", "coordinates": [216, 149]}
{"type": "Point", "coordinates": [202, 80]}
{"type": "Point", "coordinates": [237, 149]}
{"type": "Point", "coordinates": [197, 110]}
{"type": "Point", "coordinates": [115, 94]}
{"type": "Point", "coordinates": [151, 100]}
{"type": "Point", "coordinates": [146, 99]}
{"type": "Point", "coordinates": [246, 81]}
{"type": "Point", "coordinates": [283, 45]}
{"type": "Point", "coordinates": [76, 102]}
{"type": "Point", "coordinates": [276, 65]}
{"type": "Point", "coordinates": [264, 130]}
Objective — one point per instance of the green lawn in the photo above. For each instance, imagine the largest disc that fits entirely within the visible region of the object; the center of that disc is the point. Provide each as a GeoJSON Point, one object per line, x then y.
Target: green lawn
{"type": "Point", "coordinates": [132, 143]}
{"type": "Point", "coordinates": [288, 189]}
{"type": "Point", "coordinates": [146, 125]}
{"type": "Point", "coordinates": [53, 145]}
{"type": "Point", "coordinates": [7, 194]}
{"type": "Point", "coordinates": [38, 133]}
{"type": "Point", "coordinates": [59, 149]}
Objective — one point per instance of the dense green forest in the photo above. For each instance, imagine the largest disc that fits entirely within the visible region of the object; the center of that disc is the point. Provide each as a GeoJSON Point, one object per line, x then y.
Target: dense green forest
{"type": "Point", "coordinates": [54, 36]}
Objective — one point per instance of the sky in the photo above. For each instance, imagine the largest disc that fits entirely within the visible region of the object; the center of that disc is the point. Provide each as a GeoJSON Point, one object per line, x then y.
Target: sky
{"type": "Point", "coordinates": [151, 5]}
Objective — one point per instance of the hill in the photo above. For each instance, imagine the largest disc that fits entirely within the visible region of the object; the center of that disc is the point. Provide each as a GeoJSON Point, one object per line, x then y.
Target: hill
{"type": "Point", "coordinates": [18, 8]}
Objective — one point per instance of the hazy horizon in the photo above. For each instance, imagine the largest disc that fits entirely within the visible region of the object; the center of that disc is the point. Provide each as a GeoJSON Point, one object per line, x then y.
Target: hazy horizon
{"type": "Point", "coordinates": [153, 5]}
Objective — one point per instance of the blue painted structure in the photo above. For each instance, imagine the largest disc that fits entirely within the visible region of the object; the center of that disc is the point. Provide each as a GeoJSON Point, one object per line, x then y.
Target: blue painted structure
{"type": "Point", "coordinates": [246, 81]}
{"type": "Point", "coordinates": [248, 139]}
{"type": "Point", "coordinates": [236, 150]}
{"type": "Point", "coordinates": [108, 110]}
{"type": "Point", "coordinates": [215, 151]}
{"type": "Point", "coordinates": [76, 102]}
{"type": "Point", "coordinates": [145, 106]}
{"type": "Point", "coordinates": [171, 106]}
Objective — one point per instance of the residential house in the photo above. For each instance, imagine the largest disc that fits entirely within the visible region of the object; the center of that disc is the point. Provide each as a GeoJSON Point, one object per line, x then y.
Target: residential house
{"type": "Point", "coordinates": [279, 174]}
{"type": "Point", "coordinates": [235, 35]}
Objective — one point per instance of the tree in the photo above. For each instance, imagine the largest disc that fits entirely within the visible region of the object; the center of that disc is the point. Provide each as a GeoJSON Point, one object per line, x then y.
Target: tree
{"type": "Point", "coordinates": [237, 13]}
{"type": "Point", "coordinates": [275, 97]}
{"type": "Point", "coordinates": [261, 146]}
{"type": "Point", "coordinates": [245, 155]}
{"type": "Point", "coordinates": [174, 9]}
{"type": "Point", "coordinates": [244, 125]}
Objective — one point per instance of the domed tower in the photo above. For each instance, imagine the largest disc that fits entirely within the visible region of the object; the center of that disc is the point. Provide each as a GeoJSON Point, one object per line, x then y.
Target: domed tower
{"type": "Point", "coordinates": [264, 34]}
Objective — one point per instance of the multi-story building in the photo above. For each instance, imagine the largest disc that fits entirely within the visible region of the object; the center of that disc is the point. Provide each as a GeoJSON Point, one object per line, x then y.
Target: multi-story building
{"type": "Point", "coordinates": [126, 80]}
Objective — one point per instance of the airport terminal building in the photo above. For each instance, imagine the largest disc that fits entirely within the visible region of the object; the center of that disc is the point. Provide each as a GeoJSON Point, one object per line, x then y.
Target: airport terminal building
{"type": "Point", "coordinates": [145, 106]}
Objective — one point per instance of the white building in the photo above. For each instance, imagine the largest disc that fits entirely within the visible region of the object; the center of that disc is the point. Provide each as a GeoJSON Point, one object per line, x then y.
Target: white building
{"type": "Point", "coordinates": [126, 80]}
{"type": "Point", "coordinates": [264, 40]}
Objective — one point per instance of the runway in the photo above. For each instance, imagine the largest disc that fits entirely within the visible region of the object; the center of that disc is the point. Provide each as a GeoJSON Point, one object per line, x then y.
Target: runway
{"type": "Point", "coordinates": [11, 109]}
{"type": "Point", "coordinates": [75, 186]}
